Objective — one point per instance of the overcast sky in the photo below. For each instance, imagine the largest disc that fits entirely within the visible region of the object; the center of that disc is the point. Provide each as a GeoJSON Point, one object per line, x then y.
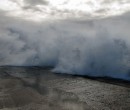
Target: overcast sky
{"type": "Point", "coordinates": [62, 9]}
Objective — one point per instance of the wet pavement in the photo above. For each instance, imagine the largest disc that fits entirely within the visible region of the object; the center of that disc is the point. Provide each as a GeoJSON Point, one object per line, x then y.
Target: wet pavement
{"type": "Point", "coordinates": [34, 88]}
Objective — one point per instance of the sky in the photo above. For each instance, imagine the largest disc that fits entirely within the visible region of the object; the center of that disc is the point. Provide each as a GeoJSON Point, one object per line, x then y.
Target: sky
{"type": "Point", "coordinates": [63, 9]}
{"type": "Point", "coordinates": [84, 37]}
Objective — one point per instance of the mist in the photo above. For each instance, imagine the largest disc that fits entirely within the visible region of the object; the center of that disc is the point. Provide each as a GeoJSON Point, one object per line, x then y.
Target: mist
{"type": "Point", "coordinates": [98, 47]}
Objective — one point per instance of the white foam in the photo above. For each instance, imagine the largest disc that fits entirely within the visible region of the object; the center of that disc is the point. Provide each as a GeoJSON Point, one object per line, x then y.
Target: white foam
{"type": "Point", "coordinates": [98, 47]}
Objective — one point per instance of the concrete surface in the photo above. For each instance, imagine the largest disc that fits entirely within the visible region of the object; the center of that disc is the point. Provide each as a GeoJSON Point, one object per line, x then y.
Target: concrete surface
{"type": "Point", "coordinates": [34, 88]}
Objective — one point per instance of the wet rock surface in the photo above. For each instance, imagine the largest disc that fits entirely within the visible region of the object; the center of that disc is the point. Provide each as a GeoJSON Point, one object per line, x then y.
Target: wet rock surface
{"type": "Point", "coordinates": [33, 88]}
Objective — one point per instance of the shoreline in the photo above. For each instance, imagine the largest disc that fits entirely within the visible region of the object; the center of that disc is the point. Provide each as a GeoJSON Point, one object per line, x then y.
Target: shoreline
{"type": "Point", "coordinates": [110, 80]}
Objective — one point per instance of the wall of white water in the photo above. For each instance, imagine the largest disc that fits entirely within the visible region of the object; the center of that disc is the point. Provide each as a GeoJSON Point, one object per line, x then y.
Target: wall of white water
{"type": "Point", "coordinates": [87, 37]}
{"type": "Point", "coordinates": [94, 47]}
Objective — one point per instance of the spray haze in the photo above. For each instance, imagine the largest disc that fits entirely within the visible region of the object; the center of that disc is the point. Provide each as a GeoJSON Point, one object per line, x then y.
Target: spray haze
{"type": "Point", "coordinates": [96, 47]}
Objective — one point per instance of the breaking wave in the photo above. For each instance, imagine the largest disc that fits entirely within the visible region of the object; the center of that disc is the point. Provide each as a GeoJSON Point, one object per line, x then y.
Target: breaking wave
{"type": "Point", "coordinates": [92, 47]}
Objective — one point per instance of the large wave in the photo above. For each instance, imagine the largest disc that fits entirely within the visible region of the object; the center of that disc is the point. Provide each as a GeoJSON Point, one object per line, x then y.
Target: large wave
{"type": "Point", "coordinates": [85, 47]}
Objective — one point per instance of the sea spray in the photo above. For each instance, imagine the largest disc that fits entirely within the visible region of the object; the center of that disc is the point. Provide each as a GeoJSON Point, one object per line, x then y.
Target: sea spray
{"type": "Point", "coordinates": [91, 47]}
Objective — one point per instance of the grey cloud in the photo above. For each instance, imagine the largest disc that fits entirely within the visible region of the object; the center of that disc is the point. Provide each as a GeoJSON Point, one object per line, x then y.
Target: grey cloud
{"type": "Point", "coordinates": [35, 2]}
{"type": "Point", "coordinates": [31, 4]}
